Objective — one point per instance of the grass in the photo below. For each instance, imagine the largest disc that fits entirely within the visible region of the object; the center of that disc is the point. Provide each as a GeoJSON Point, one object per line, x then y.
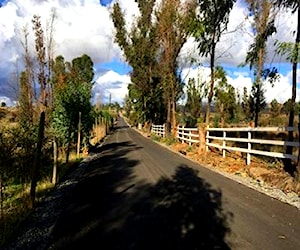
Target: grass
{"type": "Point", "coordinates": [17, 203]}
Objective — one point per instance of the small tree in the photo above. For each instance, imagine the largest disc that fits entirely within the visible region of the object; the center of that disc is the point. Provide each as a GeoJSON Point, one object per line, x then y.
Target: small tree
{"type": "Point", "coordinates": [263, 27]}
{"type": "Point", "coordinates": [246, 103]}
{"type": "Point", "coordinates": [208, 27]}
{"type": "Point", "coordinates": [257, 101]}
{"type": "Point", "coordinates": [225, 98]}
{"type": "Point", "coordinates": [195, 93]}
{"type": "Point", "coordinates": [275, 108]}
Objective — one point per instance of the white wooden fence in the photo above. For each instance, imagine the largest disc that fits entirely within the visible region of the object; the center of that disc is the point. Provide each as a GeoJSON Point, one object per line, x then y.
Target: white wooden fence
{"type": "Point", "coordinates": [159, 130]}
{"type": "Point", "coordinates": [191, 135]}
{"type": "Point", "coordinates": [250, 141]}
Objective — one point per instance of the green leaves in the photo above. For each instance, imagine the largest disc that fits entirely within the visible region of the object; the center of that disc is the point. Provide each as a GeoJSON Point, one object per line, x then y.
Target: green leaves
{"type": "Point", "coordinates": [288, 49]}
{"type": "Point", "coordinates": [73, 95]}
{"type": "Point", "coordinates": [210, 23]}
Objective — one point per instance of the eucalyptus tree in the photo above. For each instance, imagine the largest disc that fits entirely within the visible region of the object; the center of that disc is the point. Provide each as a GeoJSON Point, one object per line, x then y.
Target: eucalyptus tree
{"type": "Point", "coordinates": [173, 20]}
{"type": "Point", "coordinates": [140, 48]}
{"type": "Point", "coordinates": [263, 27]}
{"type": "Point", "coordinates": [210, 23]}
{"type": "Point", "coordinates": [292, 52]}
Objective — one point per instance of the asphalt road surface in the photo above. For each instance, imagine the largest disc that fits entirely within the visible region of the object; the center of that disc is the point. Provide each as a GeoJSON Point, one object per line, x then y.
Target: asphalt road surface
{"type": "Point", "coordinates": [139, 195]}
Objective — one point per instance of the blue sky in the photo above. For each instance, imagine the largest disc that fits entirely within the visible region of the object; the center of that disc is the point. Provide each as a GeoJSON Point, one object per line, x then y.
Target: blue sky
{"type": "Point", "coordinates": [84, 26]}
{"type": "Point", "coordinates": [105, 2]}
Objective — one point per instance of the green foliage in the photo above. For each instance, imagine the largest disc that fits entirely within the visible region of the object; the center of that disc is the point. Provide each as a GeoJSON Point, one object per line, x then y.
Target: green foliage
{"type": "Point", "coordinates": [257, 100]}
{"type": "Point", "coordinates": [287, 107]}
{"type": "Point", "coordinates": [140, 48]}
{"type": "Point", "coordinates": [17, 147]}
{"type": "Point", "coordinates": [275, 108]}
{"type": "Point", "coordinates": [195, 93]}
{"type": "Point", "coordinates": [207, 28]}
{"type": "Point", "coordinates": [155, 137]}
{"type": "Point", "coordinates": [289, 49]}
{"type": "Point", "coordinates": [225, 97]}
{"type": "Point", "coordinates": [216, 120]}
{"type": "Point", "coordinates": [151, 47]}
{"type": "Point", "coordinates": [73, 92]}
{"type": "Point", "coordinates": [190, 121]}
{"type": "Point", "coordinates": [82, 69]}
{"type": "Point", "coordinates": [169, 140]}
{"type": "Point", "coordinates": [246, 104]}
{"type": "Point", "coordinates": [134, 118]}
{"type": "Point", "coordinates": [210, 23]}
{"type": "Point", "coordinates": [189, 149]}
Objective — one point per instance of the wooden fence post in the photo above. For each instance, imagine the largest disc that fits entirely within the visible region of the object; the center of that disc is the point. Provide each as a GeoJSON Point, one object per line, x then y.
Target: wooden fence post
{"type": "Point", "coordinates": [224, 144]}
{"type": "Point", "coordinates": [202, 139]}
{"type": "Point", "coordinates": [207, 135]}
{"type": "Point", "coordinates": [249, 146]}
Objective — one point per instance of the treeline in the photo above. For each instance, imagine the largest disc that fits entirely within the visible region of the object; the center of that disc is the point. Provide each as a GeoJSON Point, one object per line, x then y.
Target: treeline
{"type": "Point", "coordinates": [152, 47]}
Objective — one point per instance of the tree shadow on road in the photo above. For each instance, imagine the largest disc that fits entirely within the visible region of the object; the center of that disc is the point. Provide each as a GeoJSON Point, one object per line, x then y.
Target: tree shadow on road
{"type": "Point", "coordinates": [181, 212]}
{"type": "Point", "coordinates": [95, 196]}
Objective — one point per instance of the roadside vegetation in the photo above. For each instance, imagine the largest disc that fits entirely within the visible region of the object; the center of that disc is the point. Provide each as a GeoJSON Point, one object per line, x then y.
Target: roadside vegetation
{"type": "Point", "coordinates": [54, 124]}
{"type": "Point", "coordinates": [50, 129]}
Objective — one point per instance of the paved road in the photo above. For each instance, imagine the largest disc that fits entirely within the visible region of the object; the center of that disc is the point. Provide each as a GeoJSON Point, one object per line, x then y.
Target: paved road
{"type": "Point", "coordinates": [138, 195]}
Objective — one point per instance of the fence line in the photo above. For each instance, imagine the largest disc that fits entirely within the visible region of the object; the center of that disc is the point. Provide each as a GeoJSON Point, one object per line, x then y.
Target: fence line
{"type": "Point", "coordinates": [187, 135]}
{"type": "Point", "coordinates": [159, 130]}
{"type": "Point", "coordinates": [191, 135]}
{"type": "Point", "coordinates": [250, 141]}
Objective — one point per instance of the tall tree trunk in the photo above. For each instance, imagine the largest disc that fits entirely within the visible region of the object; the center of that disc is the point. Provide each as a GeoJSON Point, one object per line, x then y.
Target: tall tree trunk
{"type": "Point", "coordinates": [289, 150]}
{"type": "Point", "coordinates": [174, 125]}
{"type": "Point", "coordinates": [212, 82]}
{"type": "Point", "coordinates": [258, 84]}
{"type": "Point", "coordinates": [78, 135]}
{"type": "Point", "coordinates": [1, 197]}
{"type": "Point", "coordinates": [69, 144]}
{"type": "Point", "coordinates": [168, 125]}
{"type": "Point", "coordinates": [257, 101]}
{"type": "Point", "coordinates": [37, 159]}
{"type": "Point", "coordinates": [55, 156]}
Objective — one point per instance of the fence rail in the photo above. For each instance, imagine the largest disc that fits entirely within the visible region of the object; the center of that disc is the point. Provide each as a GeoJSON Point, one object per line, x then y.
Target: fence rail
{"type": "Point", "coordinates": [191, 135]}
{"type": "Point", "coordinates": [159, 130]}
{"type": "Point", "coordinates": [250, 141]}
{"type": "Point", "coordinates": [188, 135]}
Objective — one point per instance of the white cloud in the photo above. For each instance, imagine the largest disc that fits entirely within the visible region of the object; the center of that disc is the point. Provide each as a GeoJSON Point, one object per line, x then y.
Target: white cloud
{"type": "Point", "coordinates": [281, 91]}
{"type": "Point", "coordinates": [111, 85]}
{"type": "Point", "coordinates": [80, 27]}
{"type": "Point", "coordinates": [84, 26]}
{"type": "Point", "coordinates": [8, 102]}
